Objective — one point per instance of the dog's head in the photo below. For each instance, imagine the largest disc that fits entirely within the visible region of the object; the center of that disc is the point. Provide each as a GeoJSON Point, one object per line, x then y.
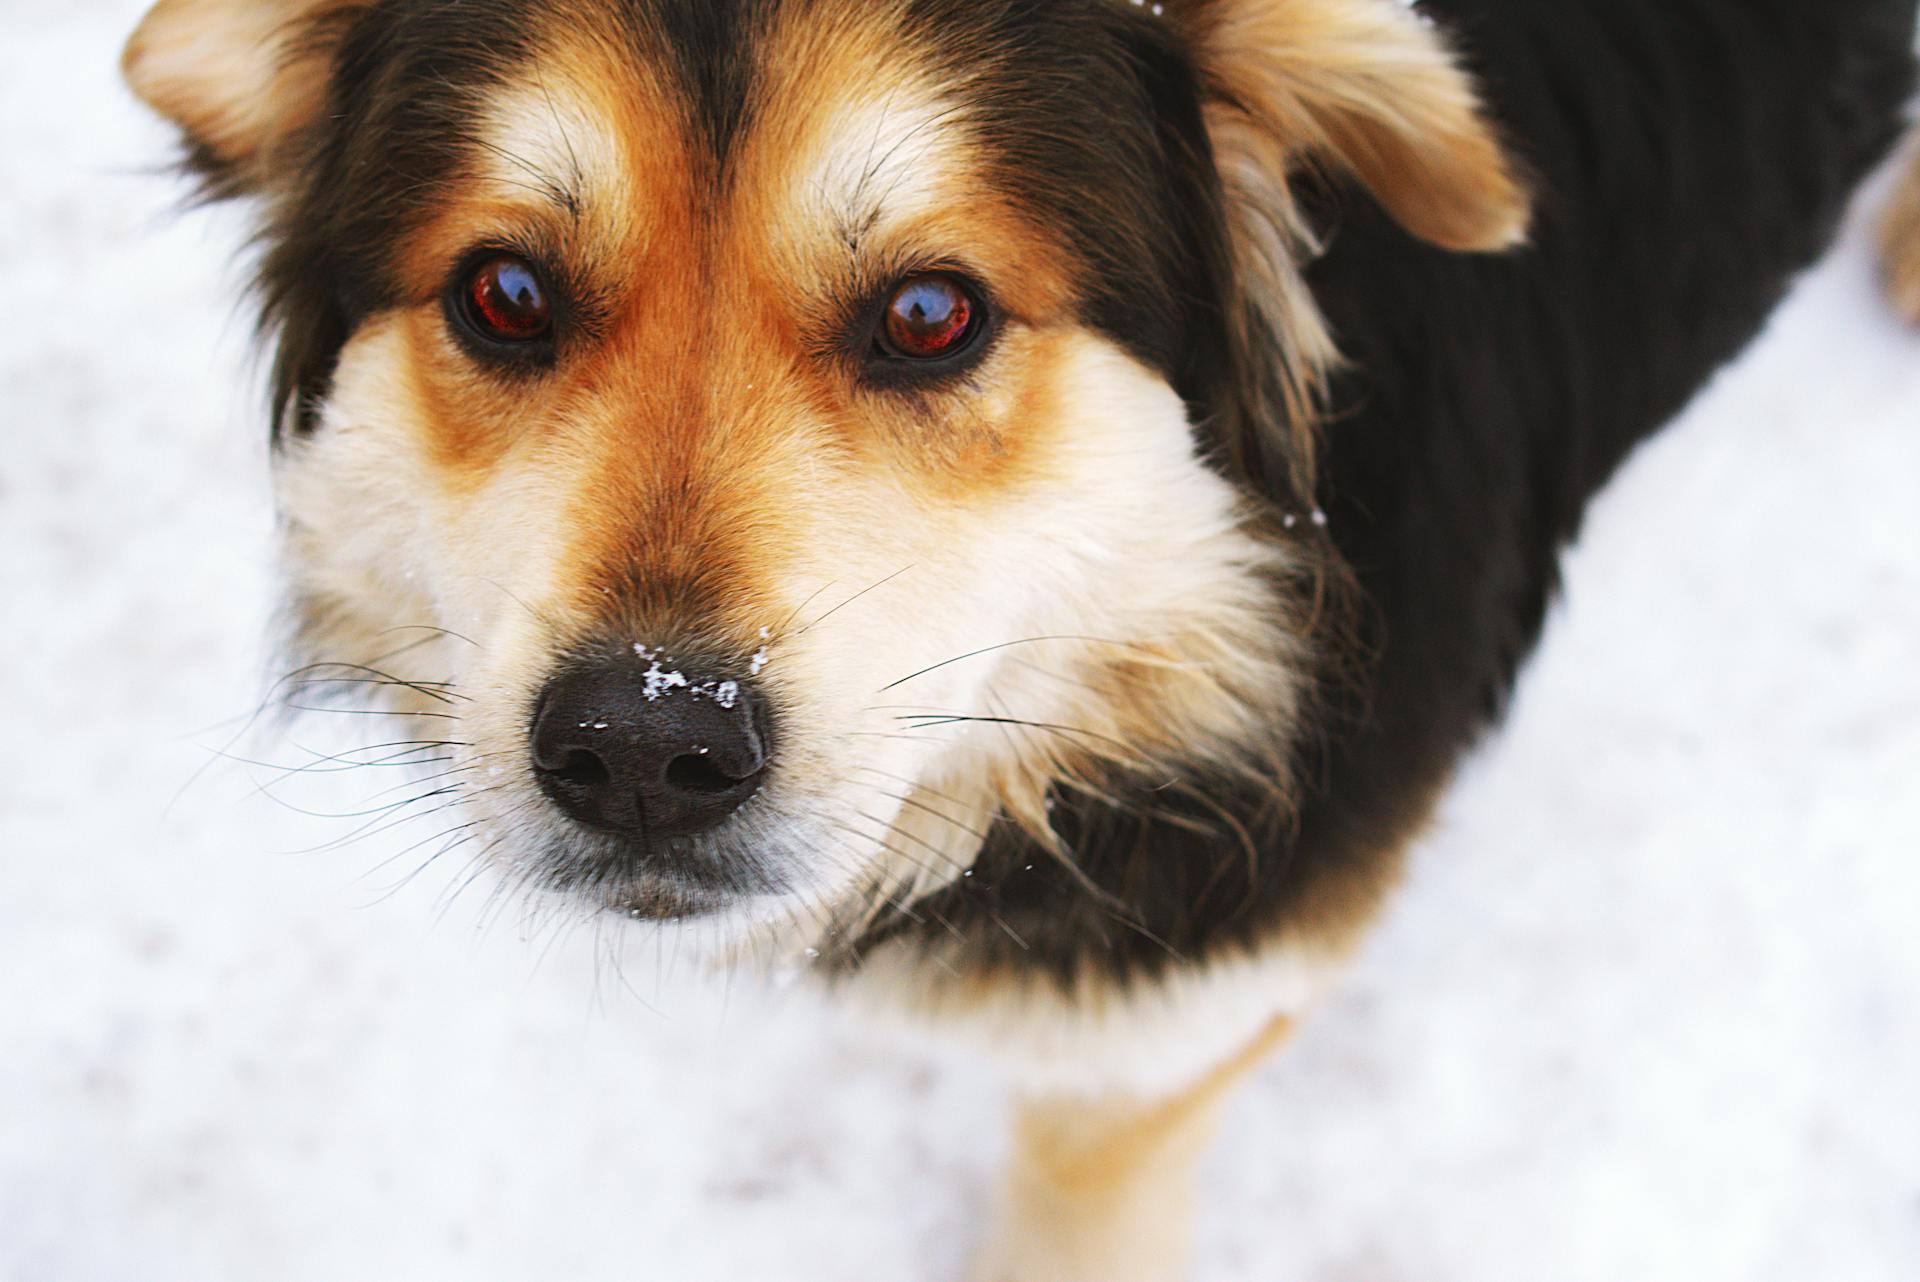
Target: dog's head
{"type": "Point", "coordinates": [820, 429]}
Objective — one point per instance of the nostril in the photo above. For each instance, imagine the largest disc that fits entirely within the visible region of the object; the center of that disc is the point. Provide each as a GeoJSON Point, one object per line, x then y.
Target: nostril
{"type": "Point", "coordinates": [699, 774]}
{"type": "Point", "coordinates": [615, 754]}
{"type": "Point", "coordinates": [583, 769]}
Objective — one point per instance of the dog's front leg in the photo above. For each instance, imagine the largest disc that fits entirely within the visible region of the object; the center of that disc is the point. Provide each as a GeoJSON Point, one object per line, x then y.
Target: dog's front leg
{"type": "Point", "coordinates": [1101, 1189]}
{"type": "Point", "coordinates": [1900, 237]}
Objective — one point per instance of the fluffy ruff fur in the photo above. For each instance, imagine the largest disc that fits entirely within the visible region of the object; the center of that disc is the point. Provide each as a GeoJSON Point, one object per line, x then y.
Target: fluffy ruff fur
{"type": "Point", "coordinates": [1109, 665]}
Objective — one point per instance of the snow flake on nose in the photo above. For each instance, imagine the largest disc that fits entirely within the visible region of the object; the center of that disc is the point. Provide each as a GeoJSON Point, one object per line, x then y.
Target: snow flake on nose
{"type": "Point", "coordinates": [657, 682]}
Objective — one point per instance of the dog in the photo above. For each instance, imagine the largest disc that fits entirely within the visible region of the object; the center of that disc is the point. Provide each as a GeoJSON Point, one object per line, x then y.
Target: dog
{"type": "Point", "coordinates": [1015, 508]}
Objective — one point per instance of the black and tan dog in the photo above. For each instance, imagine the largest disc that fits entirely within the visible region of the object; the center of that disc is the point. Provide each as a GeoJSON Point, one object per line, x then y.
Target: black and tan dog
{"type": "Point", "coordinates": [1016, 505]}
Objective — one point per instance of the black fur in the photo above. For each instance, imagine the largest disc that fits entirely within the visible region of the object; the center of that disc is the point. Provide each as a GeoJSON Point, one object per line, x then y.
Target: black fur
{"type": "Point", "coordinates": [1091, 95]}
{"type": "Point", "coordinates": [407, 88]}
{"type": "Point", "coordinates": [1693, 155]}
{"type": "Point", "coordinates": [712, 45]}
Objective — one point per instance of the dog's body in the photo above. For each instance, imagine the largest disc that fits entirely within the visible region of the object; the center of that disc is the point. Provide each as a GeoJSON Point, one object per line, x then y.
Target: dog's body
{"type": "Point", "coordinates": [1682, 180]}
{"type": "Point", "coordinates": [913, 436]}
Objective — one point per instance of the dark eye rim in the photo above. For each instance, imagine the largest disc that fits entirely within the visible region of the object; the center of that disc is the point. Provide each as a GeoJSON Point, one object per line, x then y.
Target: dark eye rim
{"type": "Point", "coordinates": [886, 366]}
{"type": "Point", "coordinates": [457, 303]}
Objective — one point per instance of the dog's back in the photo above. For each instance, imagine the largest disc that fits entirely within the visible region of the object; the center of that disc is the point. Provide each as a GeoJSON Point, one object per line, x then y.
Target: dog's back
{"type": "Point", "coordinates": [1691, 156]}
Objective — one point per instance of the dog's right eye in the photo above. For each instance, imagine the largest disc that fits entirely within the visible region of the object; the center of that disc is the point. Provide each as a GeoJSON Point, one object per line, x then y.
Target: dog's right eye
{"type": "Point", "coordinates": [504, 301]}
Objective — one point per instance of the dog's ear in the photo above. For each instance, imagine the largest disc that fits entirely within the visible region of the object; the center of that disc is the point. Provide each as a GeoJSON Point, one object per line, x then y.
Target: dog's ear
{"type": "Point", "coordinates": [1366, 87]}
{"type": "Point", "coordinates": [240, 77]}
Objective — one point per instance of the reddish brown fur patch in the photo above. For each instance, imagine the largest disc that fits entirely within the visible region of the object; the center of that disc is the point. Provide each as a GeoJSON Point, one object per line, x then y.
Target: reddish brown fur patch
{"type": "Point", "coordinates": [470, 421]}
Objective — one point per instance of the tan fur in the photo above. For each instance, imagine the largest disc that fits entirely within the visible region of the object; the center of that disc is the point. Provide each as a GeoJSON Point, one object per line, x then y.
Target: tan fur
{"type": "Point", "coordinates": [660, 470]}
{"type": "Point", "coordinates": [237, 75]}
{"type": "Point", "coordinates": [699, 470]}
{"type": "Point", "coordinates": [1372, 89]}
{"type": "Point", "coordinates": [1101, 1190]}
{"type": "Point", "coordinates": [1039, 542]}
{"type": "Point", "coordinates": [1900, 239]}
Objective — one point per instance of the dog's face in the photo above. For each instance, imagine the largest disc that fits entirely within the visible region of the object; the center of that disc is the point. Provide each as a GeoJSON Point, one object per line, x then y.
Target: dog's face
{"type": "Point", "coordinates": [821, 428]}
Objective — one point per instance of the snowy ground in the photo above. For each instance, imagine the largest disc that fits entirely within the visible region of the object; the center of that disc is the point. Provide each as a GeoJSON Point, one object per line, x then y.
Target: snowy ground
{"type": "Point", "coordinates": [1650, 1009]}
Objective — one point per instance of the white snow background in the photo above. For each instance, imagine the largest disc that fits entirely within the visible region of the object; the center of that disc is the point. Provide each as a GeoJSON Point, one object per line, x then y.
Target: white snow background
{"type": "Point", "coordinates": [1649, 1008]}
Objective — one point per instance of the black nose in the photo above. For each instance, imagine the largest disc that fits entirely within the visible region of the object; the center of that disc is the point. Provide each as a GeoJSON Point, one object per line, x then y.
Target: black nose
{"type": "Point", "coordinates": [645, 750]}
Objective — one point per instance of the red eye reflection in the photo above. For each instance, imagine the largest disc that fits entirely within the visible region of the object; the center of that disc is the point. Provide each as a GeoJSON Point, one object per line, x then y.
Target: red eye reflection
{"type": "Point", "coordinates": [928, 317]}
{"type": "Point", "coordinates": [506, 302]}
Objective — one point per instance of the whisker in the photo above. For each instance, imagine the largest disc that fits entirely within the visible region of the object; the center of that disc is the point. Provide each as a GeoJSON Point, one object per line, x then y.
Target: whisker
{"type": "Point", "coordinates": [467, 766]}
{"type": "Point", "coordinates": [1007, 645]}
{"type": "Point", "coordinates": [295, 679]}
{"type": "Point", "coordinates": [931, 720]}
{"type": "Point", "coordinates": [952, 864]}
{"type": "Point", "coordinates": [472, 870]}
{"type": "Point", "coordinates": [894, 850]}
{"type": "Point", "coordinates": [370, 712]}
{"type": "Point", "coordinates": [798, 610]}
{"type": "Point", "coordinates": [910, 783]}
{"type": "Point", "coordinates": [323, 684]}
{"type": "Point", "coordinates": [328, 763]}
{"type": "Point", "coordinates": [402, 853]}
{"type": "Point", "coordinates": [376, 811]}
{"type": "Point", "coordinates": [441, 690]}
{"type": "Point", "coordinates": [538, 617]}
{"type": "Point", "coordinates": [454, 840]}
{"type": "Point", "coordinates": [463, 769]}
{"type": "Point", "coordinates": [385, 820]}
{"type": "Point", "coordinates": [423, 627]}
{"type": "Point", "coordinates": [850, 600]}
{"type": "Point", "coordinates": [881, 734]}
{"type": "Point", "coordinates": [926, 809]}
{"type": "Point", "coordinates": [341, 763]}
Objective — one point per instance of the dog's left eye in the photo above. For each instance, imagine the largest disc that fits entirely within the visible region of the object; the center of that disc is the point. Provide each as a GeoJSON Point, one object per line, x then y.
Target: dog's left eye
{"type": "Point", "coordinates": [505, 301]}
{"type": "Point", "coordinates": [929, 317]}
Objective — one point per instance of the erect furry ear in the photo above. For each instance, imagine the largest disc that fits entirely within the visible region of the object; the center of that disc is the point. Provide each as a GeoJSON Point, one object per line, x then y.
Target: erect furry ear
{"type": "Point", "coordinates": [241, 77]}
{"type": "Point", "coordinates": [1364, 86]}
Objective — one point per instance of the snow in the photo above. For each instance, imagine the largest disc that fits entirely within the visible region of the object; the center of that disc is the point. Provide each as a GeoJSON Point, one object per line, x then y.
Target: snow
{"type": "Point", "coordinates": [1649, 1007]}
{"type": "Point", "coordinates": [657, 682]}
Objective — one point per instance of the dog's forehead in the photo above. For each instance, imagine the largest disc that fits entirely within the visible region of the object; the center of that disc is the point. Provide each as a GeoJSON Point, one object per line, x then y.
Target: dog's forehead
{"type": "Point", "coordinates": [779, 162]}
{"type": "Point", "coordinates": [810, 119]}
